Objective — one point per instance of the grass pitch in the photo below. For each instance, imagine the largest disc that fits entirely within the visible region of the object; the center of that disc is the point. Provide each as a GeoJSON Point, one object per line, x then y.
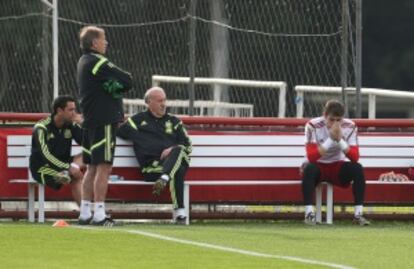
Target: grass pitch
{"type": "Point", "coordinates": [209, 245]}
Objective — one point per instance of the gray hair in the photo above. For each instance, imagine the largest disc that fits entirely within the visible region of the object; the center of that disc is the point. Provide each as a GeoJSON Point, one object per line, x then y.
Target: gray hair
{"type": "Point", "coordinates": [88, 34]}
{"type": "Point", "coordinates": [150, 91]}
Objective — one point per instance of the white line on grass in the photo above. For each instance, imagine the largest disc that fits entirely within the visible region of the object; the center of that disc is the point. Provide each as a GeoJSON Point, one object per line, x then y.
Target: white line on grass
{"type": "Point", "coordinates": [227, 249]}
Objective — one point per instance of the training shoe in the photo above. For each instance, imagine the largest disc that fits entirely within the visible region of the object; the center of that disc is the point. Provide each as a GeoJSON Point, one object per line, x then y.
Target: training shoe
{"type": "Point", "coordinates": [310, 219]}
{"type": "Point", "coordinates": [106, 222]}
{"type": "Point", "coordinates": [360, 220]}
{"type": "Point", "coordinates": [179, 216]}
{"type": "Point", "coordinates": [159, 186]}
{"type": "Point", "coordinates": [180, 220]}
{"type": "Point", "coordinates": [84, 221]}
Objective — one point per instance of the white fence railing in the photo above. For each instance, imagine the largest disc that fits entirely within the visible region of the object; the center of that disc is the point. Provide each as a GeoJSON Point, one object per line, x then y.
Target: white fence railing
{"type": "Point", "coordinates": [201, 107]}
{"type": "Point", "coordinates": [279, 85]}
{"type": "Point", "coordinates": [372, 93]}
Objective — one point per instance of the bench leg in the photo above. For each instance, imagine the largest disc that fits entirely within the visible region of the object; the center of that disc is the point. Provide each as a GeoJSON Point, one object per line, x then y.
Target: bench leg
{"type": "Point", "coordinates": [31, 202]}
{"type": "Point", "coordinates": [329, 203]}
{"type": "Point", "coordinates": [41, 200]}
{"type": "Point", "coordinates": [318, 192]}
{"type": "Point", "coordinates": [187, 203]}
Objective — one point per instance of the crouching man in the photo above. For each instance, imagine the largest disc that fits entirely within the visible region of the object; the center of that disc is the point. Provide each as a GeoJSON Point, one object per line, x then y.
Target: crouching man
{"type": "Point", "coordinates": [162, 146]}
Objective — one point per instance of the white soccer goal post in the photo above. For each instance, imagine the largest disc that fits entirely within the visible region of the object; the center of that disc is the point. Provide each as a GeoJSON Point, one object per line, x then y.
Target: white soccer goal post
{"type": "Point", "coordinates": [396, 97]}
{"type": "Point", "coordinates": [280, 86]}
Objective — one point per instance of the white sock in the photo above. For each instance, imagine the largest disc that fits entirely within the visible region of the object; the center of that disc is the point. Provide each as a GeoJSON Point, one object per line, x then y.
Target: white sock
{"type": "Point", "coordinates": [99, 212]}
{"type": "Point", "coordinates": [179, 212]}
{"type": "Point", "coordinates": [85, 210]}
{"type": "Point", "coordinates": [358, 210]}
{"type": "Point", "coordinates": [309, 209]}
{"type": "Point", "coordinates": [165, 177]}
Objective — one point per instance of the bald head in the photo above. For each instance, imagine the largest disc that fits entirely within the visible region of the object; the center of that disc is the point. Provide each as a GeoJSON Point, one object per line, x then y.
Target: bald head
{"type": "Point", "coordinates": [92, 37]}
{"type": "Point", "coordinates": [156, 99]}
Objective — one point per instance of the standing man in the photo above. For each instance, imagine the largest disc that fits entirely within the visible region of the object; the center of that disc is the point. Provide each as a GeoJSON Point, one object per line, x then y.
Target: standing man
{"type": "Point", "coordinates": [162, 146]}
{"type": "Point", "coordinates": [50, 162]}
{"type": "Point", "coordinates": [330, 141]}
{"type": "Point", "coordinates": [101, 86]}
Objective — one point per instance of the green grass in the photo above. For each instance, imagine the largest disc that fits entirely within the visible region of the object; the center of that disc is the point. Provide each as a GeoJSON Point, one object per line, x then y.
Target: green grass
{"type": "Point", "coordinates": [382, 245]}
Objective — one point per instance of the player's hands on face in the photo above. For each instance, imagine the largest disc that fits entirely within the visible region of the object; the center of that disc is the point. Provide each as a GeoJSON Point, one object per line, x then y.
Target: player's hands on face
{"type": "Point", "coordinates": [335, 131]}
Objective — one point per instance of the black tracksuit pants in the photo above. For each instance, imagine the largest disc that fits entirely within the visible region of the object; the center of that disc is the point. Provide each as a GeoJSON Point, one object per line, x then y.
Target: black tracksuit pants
{"type": "Point", "coordinates": [175, 165]}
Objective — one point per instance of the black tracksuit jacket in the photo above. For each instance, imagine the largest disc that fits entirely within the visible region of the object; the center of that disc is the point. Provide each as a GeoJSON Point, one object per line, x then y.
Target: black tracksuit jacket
{"type": "Point", "coordinates": [52, 145]}
{"type": "Point", "coordinates": [101, 85]}
{"type": "Point", "coordinates": [151, 135]}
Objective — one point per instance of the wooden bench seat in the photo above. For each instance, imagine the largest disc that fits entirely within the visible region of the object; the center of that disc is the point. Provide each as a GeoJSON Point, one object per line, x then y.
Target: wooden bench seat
{"type": "Point", "coordinates": [256, 167]}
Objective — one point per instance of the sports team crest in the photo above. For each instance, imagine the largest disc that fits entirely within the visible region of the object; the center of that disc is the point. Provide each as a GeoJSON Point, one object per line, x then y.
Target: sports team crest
{"type": "Point", "coordinates": [168, 127]}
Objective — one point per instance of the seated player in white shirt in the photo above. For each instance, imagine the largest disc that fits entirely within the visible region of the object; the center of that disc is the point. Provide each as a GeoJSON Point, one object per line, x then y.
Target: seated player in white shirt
{"type": "Point", "coordinates": [332, 155]}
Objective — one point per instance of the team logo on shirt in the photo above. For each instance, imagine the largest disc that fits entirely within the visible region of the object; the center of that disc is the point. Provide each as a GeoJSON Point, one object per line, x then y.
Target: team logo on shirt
{"type": "Point", "coordinates": [50, 136]}
{"type": "Point", "coordinates": [168, 127]}
{"type": "Point", "coordinates": [143, 123]}
{"type": "Point", "coordinates": [67, 134]}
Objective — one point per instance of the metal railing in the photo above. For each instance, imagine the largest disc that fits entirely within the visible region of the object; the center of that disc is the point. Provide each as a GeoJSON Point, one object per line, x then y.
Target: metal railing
{"type": "Point", "coordinates": [372, 93]}
{"type": "Point", "coordinates": [280, 85]}
{"type": "Point", "coordinates": [201, 107]}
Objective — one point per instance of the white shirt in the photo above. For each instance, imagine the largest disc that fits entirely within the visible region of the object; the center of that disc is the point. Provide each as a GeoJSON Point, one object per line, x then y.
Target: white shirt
{"type": "Point", "coordinates": [317, 132]}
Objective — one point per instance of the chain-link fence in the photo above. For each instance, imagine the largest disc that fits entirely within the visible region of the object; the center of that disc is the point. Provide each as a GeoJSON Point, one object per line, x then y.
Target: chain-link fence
{"type": "Point", "coordinates": [295, 41]}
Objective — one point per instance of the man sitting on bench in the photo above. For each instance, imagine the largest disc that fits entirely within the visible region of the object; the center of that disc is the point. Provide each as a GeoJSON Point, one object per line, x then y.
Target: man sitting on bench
{"type": "Point", "coordinates": [162, 146]}
{"type": "Point", "coordinates": [331, 139]}
{"type": "Point", "coordinates": [51, 163]}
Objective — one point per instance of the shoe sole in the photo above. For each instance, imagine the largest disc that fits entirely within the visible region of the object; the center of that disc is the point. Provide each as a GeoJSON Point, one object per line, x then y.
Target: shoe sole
{"type": "Point", "coordinates": [106, 223]}
{"type": "Point", "coordinates": [180, 221]}
{"type": "Point", "coordinates": [103, 224]}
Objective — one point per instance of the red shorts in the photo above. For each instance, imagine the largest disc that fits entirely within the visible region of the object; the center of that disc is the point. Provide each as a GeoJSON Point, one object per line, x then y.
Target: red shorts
{"type": "Point", "coordinates": [330, 173]}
